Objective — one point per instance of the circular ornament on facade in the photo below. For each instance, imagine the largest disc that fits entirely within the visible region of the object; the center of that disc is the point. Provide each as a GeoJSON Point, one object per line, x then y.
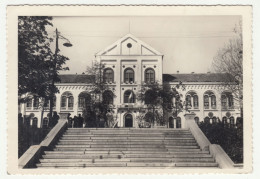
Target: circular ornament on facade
{"type": "Point", "coordinates": [129, 45]}
{"type": "Point", "coordinates": [228, 114]}
{"type": "Point", "coordinates": [210, 114]}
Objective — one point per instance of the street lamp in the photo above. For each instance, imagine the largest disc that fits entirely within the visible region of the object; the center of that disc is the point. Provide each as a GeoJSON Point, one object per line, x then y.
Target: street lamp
{"type": "Point", "coordinates": [66, 44]}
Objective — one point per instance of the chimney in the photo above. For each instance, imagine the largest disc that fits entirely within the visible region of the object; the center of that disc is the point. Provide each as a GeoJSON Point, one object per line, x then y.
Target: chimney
{"type": "Point", "coordinates": [178, 72]}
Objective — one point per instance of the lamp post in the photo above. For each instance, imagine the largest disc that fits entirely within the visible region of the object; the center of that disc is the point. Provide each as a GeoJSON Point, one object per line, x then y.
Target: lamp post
{"type": "Point", "coordinates": [66, 44]}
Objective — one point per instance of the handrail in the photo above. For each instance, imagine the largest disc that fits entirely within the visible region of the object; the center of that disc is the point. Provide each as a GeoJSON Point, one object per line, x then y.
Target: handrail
{"type": "Point", "coordinates": [218, 153]}
{"type": "Point", "coordinates": [32, 155]}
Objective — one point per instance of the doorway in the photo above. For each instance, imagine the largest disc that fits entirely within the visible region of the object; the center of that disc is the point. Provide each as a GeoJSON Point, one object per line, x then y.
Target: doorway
{"type": "Point", "coordinates": [129, 120]}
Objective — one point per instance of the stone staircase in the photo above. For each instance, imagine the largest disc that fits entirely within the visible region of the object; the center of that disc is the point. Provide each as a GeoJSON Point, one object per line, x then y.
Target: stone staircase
{"type": "Point", "coordinates": [126, 147]}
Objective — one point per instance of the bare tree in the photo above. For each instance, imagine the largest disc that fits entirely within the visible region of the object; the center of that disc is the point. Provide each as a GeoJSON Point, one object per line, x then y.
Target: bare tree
{"type": "Point", "coordinates": [229, 61]}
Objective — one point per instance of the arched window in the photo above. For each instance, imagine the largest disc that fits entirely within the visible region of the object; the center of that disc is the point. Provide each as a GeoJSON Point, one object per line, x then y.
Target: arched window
{"type": "Point", "coordinates": [129, 97]}
{"type": "Point", "coordinates": [209, 100]}
{"type": "Point", "coordinates": [29, 104]}
{"type": "Point", "coordinates": [195, 102]}
{"type": "Point", "coordinates": [35, 102]}
{"type": "Point", "coordinates": [108, 97]}
{"type": "Point", "coordinates": [34, 122]}
{"type": "Point", "coordinates": [149, 75]}
{"type": "Point", "coordinates": [230, 101]}
{"type": "Point", "coordinates": [206, 102]}
{"type": "Point", "coordinates": [213, 102]}
{"type": "Point", "coordinates": [178, 122]}
{"type": "Point", "coordinates": [188, 100]}
{"type": "Point", "coordinates": [108, 75]}
{"type": "Point", "coordinates": [192, 100]}
{"type": "Point", "coordinates": [70, 102]}
{"type": "Point", "coordinates": [227, 101]}
{"type": "Point", "coordinates": [45, 122]}
{"type": "Point", "coordinates": [171, 122]}
{"type": "Point", "coordinates": [84, 99]}
{"type": "Point", "coordinates": [129, 75]}
{"type": "Point", "coordinates": [224, 101]}
{"type": "Point", "coordinates": [67, 101]}
{"type": "Point", "coordinates": [63, 101]}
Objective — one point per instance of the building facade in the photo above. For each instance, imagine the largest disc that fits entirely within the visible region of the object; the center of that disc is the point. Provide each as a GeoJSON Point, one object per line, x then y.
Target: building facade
{"type": "Point", "coordinates": [128, 63]}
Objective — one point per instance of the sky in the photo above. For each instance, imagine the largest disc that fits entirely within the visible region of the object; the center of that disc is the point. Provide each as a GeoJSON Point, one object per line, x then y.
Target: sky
{"type": "Point", "coordinates": [188, 43]}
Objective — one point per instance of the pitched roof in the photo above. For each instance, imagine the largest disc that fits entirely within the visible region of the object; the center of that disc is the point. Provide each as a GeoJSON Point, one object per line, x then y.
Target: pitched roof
{"type": "Point", "coordinates": [191, 77]}
{"type": "Point", "coordinates": [198, 77]}
{"type": "Point", "coordinates": [118, 44]}
{"type": "Point", "coordinates": [74, 78]}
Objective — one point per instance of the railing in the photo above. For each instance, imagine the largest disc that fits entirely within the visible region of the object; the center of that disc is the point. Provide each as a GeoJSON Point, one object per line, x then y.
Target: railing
{"type": "Point", "coordinates": [32, 155]}
{"type": "Point", "coordinates": [218, 153]}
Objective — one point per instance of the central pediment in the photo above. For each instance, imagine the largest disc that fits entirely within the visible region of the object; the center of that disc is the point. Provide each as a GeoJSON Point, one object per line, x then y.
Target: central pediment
{"type": "Point", "coordinates": [128, 45]}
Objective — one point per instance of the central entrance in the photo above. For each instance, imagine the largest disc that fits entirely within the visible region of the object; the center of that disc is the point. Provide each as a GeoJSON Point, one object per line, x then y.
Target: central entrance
{"type": "Point", "coordinates": [129, 120]}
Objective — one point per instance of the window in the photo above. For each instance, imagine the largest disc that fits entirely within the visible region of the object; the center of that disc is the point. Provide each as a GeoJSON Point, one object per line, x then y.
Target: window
{"type": "Point", "coordinates": [34, 122]}
{"type": "Point", "coordinates": [129, 97]}
{"type": "Point", "coordinates": [36, 103]}
{"type": "Point", "coordinates": [63, 101]}
{"type": "Point", "coordinates": [230, 101]}
{"type": "Point", "coordinates": [188, 100]}
{"type": "Point", "coordinates": [67, 101]}
{"type": "Point", "coordinates": [129, 75]}
{"type": "Point", "coordinates": [70, 102]}
{"type": "Point", "coordinates": [83, 99]}
{"type": "Point", "coordinates": [213, 102]}
{"type": "Point", "coordinates": [108, 75]}
{"type": "Point", "coordinates": [149, 76]}
{"type": "Point", "coordinates": [29, 104]}
{"type": "Point", "coordinates": [195, 102]}
{"type": "Point", "coordinates": [81, 102]}
{"type": "Point", "coordinates": [45, 122]}
{"type": "Point", "coordinates": [178, 122]}
{"type": "Point", "coordinates": [206, 102]}
{"type": "Point", "coordinates": [192, 100]}
{"type": "Point", "coordinates": [223, 101]}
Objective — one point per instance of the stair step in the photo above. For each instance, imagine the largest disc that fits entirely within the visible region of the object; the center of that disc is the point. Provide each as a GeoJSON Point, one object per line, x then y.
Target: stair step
{"type": "Point", "coordinates": [126, 155]}
{"type": "Point", "coordinates": [126, 147]}
{"type": "Point", "coordinates": [176, 151]}
{"type": "Point", "coordinates": [164, 160]}
{"type": "Point", "coordinates": [128, 164]}
{"type": "Point", "coordinates": [127, 144]}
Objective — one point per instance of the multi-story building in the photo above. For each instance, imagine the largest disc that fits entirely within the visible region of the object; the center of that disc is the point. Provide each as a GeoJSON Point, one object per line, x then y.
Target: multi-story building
{"type": "Point", "coordinates": [129, 62]}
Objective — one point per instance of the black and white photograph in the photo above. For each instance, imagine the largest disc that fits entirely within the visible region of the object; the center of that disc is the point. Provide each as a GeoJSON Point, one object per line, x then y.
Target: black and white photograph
{"type": "Point", "coordinates": [132, 91]}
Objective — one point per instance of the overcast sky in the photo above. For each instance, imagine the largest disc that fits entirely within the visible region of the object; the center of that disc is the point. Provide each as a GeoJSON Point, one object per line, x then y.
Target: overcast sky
{"type": "Point", "coordinates": [188, 43]}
